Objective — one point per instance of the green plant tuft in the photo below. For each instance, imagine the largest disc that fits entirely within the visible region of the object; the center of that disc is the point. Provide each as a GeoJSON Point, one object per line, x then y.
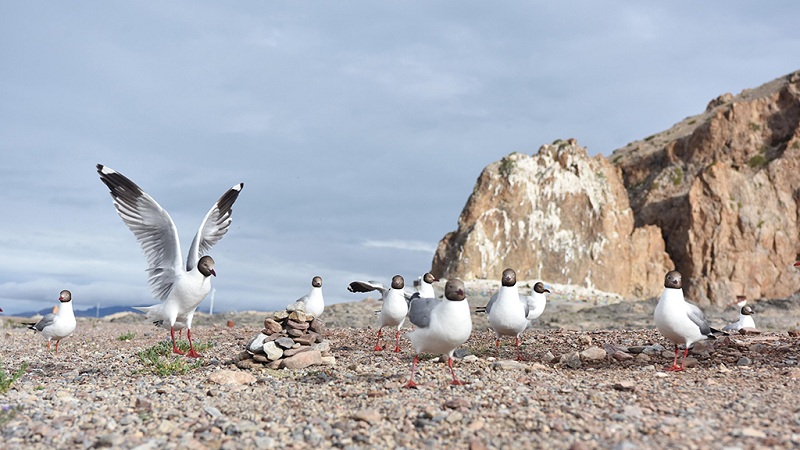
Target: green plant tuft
{"type": "Point", "coordinates": [507, 166]}
{"type": "Point", "coordinates": [6, 379]}
{"type": "Point", "coordinates": [757, 161]}
{"type": "Point", "coordinates": [161, 361]}
{"type": "Point", "coordinates": [126, 336]}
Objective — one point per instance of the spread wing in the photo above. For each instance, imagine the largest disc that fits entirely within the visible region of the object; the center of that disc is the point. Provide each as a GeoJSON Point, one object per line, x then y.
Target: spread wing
{"type": "Point", "coordinates": [214, 226]}
{"type": "Point", "coordinates": [419, 310]}
{"type": "Point", "coordinates": [366, 286]}
{"type": "Point", "coordinates": [152, 227]}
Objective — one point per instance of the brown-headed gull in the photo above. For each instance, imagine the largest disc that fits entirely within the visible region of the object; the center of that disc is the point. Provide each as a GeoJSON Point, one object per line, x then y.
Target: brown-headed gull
{"type": "Point", "coordinates": [745, 320]}
{"type": "Point", "coordinates": [536, 302]}
{"type": "Point", "coordinates": [508, 310]}
{"type": "Point", "coordinates": [56, 326]}
{"type": "Point", "coordinates": [678, 320]}
{"type": "Point", "coordinates": [440, 326]}
{"type": "Point", "coordinates": [426, 286]}
{"type": "Point", "coordinates": [394, 309]}
{"type": "Point", "coordinates": [314, 302]}
{"type": "Point", "coordinates": [179, 288]}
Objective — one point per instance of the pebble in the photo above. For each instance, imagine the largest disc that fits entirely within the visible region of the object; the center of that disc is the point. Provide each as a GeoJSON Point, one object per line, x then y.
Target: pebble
{"type": "Point", "coordinates": [593, 354]}
{"type": "Point", "coordinates": [231, 377]}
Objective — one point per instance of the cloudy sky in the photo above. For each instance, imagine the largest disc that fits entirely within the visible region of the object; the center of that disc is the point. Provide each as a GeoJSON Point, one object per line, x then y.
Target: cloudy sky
{"type": "Point", "coordinates": [358, 127]}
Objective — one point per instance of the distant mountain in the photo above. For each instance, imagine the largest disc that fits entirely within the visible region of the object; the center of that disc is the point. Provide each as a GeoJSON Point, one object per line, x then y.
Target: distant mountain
{"type": "Point", "coordinates": [90, 312]}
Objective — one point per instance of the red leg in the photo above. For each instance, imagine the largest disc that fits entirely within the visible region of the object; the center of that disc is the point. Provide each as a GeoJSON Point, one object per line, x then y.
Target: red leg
{"type": "Point", "coordinates": [57, 347]}
{"type": "Point", "coordinates": [191, 353]}
{"type": "Point", "coordinates": [378, 344]}
{"type": "Point", "coordinates": [519, 354]}
{"type": "Point", "coordinates": [48, 345]}
{"type": "Point", "coordinates": [411, 383]}
{"type": "Point", "coordinates": [397, 341]}
{"type": "Point", "coordinates": [675, 367]}
{"type": "Point", "coordinates": [455, 381]}
{"type": "Point", "coordinates": [175, 348]}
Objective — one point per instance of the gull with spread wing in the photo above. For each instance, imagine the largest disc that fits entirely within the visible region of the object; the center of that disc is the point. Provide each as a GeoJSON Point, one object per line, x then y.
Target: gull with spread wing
{"type": "Point", "coordinates": [179, 288]}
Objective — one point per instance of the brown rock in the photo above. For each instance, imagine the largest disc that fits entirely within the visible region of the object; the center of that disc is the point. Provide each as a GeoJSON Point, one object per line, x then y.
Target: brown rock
{"type": "Point", "coordinates": [280, 316]}
{"type": "Point", "coordinates": [294, 333]}
{"type": "Point", "coordinates": [294, 351]}
{"type": "Point", "coordinates": [271, 326]}
{"type": "Point", "coordinates": [317, 326]}
{"type": "Point", "coordinates": [518, 206]}
{"type": "Point", "coordinates": [302, 360]}
{"type": "Point", "coordinates": [231, 377]}
{"type": "Point", "coordinates": [259, 358]}
{"type": "Point", "coordinates": [370, 416]}
{"type": "Point", "coordinates": [297, 325]}
{"type": "Point", "coordinates": [307, 339]}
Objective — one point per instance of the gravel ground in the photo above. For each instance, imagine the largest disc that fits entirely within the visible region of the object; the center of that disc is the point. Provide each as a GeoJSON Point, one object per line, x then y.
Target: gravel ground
{"type": "Point", "coordinates": [586, 382]}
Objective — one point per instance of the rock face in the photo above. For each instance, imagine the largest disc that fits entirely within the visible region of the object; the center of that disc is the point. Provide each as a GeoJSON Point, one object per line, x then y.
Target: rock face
{"type": "Point", "coordinates": [557, 216]}
{"type": "Point", "coordinates": [724, 188]}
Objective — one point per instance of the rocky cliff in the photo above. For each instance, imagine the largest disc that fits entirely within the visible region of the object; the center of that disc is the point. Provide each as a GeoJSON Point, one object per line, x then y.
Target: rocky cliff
{"type": "Point", "coordinates": [558, 216]}
{"type": "Point", "coordinates": [724, 186]}
{"type": "Point", "coordinates": [720, 192]}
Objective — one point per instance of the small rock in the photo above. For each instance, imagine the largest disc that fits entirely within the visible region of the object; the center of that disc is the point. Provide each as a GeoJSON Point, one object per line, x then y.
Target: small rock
{"type": "Point", "coordinates": [585, 339]}
{"type": "Point", "coordinates": [273, 351]}
{"type": "Point", "coordinates": [261, 359]}
{"type": "Point", "coordinates": [593, 354]}
{"type": "Point", "coordinates": [744, 361]}
{"type": "Point", "coordinates": [328, 360]}
{"type": "Point", "coordinates": [307, 339]}
{"type": "Point", "coordinates": [624, 356]}
{"type": "Point", "coordinates": [284, 342]}
{"type": "Point", "coordinates": [571, 360]}
{"type": "Point", "coordinates": [272, 326]}
{"type": "Point", "coordinates": [456, 403]}
{"type": "Point", "coordinates": [548, 357]}
{"type": "Point", "coordinates": [298, 316]}
{"type": "Point", "coordinates": [470, 358]}
{"type": "Point", "coordinates": [626, 385]}
{"type": "Point", "coordinates": [246, 364]}
{"type": "Point", "coordinates": [749, 331]}
{"type": "Point", "coordinates": [294, 332]}
{"type": "Point", "coordinates": [257, 344]}
{"type": "Point", "coordinates": [641, 357]}
{"type": "Point", "coordinates": [317, 326]}
{"type": "Point", "coordinates": [143, 404]}
{"type": "Point", "coordinates": [297, 325]}
{"type": "Point", "coordinates": [231, 377]}
{"type": "Point", "coordinates": [632, 411]}
{"type": "Point", "coordinates": [507, 364]}
{"type": "Point", "coordinates": [794, 333]}
{"type": "Point", "coordinates": [322, 347]}
{"type": "Point", "coordinates": [293, 351]}
{"type": "Point", "coordinates": [303, 360]}
{"type": "Point", "coordinates": [748, 432]}
{"type": "Point", "coordinates": [296, 306]}
{"type": "Point", "coordinates": [368, 415]}
{"type": "Point", "coordinates": [280, 316]}
{"type": "Point", "coordinates": [454, 417]}
{"type": "Point", "coordinates": [212, 411]}
{"type": "Point", "coordinates": [636, 349]}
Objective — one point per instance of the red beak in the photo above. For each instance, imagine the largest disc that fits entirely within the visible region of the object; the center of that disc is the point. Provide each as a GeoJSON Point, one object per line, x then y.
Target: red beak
{"type": "Point", "coordinates": [797, 263]}
{"type": "Point", "coordinates": [213, 272]}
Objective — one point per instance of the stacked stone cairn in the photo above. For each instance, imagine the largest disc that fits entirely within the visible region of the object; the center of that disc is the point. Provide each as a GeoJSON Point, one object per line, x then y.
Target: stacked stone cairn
{"type": "Point", "coordinates": [291, 339]}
